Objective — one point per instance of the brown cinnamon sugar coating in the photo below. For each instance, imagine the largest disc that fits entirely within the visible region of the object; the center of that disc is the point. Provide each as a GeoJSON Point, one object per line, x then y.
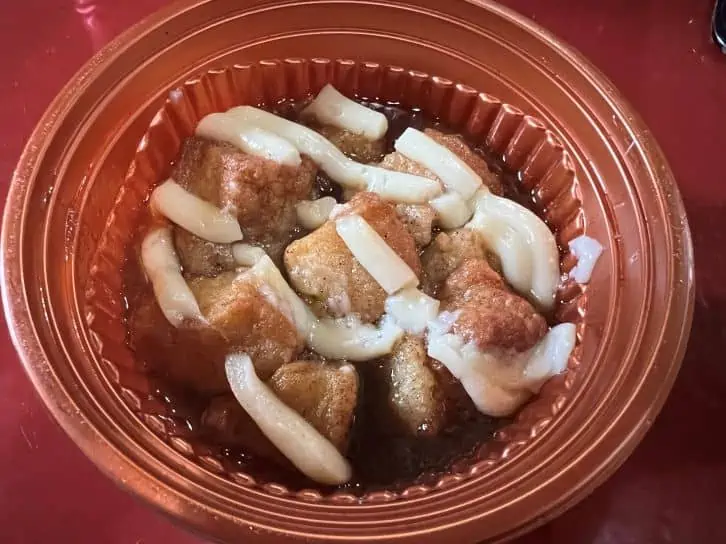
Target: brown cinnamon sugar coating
{"type": "Point", "coordinates": [446, 253]}
{"type": "Point", "coordinates": [200, 257]}
{"type": "Point", "coordinates": [489, 313]}
{"type": "Point", "coordinates": [236, 310]}
{"type": "Point", "coordinates": [321, 266]}
{"type": "Point", "coordinates": [414, 397]}
{"type": "Point", "coordinates": [325, 394]}
{"type": "Point", "coordinates": [353, 145]}
{"type": "Point", "coordinates": [259, 192]}
{"type": "Point", "coordinates": [418, 220]}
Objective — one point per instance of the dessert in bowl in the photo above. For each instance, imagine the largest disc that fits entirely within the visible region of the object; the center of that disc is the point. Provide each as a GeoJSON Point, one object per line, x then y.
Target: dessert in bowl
{"type": "Point", "coordinates": [377, 280]}
{"type": "Point", "coordinates": [221, 237]}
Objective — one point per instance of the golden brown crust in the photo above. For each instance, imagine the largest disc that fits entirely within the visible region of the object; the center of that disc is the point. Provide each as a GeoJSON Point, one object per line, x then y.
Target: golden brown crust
{"type": "Point", "coordinates": [471, 272]}
{"type": "Point", "coordinates": [200, 257]}
{"type": "Point", "coordinates": [418, 220]}
{"type": "Point", "coordinates": [399, 163]}
{"type": "Point", "coordinates": [321, 266]}
{"type": "Point", "coordinates": [414, 396]}
{"type": "Point", "coordinates": [446, 253]}
{"type": "Point", "coordinates": [261, 193]}
{"type": "Point", "coordinates": [490, 315]}
{"type": "Point", "coordinates": [326, 395]}
{"type": "Point", "coordinates": [235, 309]}
{"type": "Point", "coordinates": [353, 145]}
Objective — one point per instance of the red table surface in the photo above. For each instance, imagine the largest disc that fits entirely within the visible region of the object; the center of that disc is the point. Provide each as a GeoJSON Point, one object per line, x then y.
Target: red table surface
{"type": "Point", "coordinates": [672, 489]}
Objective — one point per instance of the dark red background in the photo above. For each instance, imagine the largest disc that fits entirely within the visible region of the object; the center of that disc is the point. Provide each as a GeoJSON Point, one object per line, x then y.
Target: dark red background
{"type": "Point", "coordinates": [673, 488]}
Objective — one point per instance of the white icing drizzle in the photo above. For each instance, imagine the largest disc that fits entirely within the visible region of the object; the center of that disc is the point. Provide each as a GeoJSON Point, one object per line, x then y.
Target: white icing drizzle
{"type": "Point", "coordinates": [455, 174]}
{"type": "Point", "coordinates": [250, 139]}
{"type": "Point", "coordinates": [247, 254]}
{"type": "Point", "coordinates": [412, 309]}
{"type": "Point", "coordinates": [499, 381]}
{"type": "Point", "coordinates": [313, 213]}
{"type": "Point", "coordinates": [345, 338]}
{"type": "Point", "coordinates": [284, 297]}
{"type": "Point", "coordinates": [588, 251]}
{"type": "Point", "coordinates": [454, 207]}
{"type": "Point", "coordinates": [524, 244]}
{"type": "Point", "coordinates": [194, 214]}
{"type": "Point", "coordinates": [374, 254]}
{"type": "Point", "coordinates": [348, 338]}
{"type": "Point", "coordinates": [452, 211]}
{"type": "Point", "coordinates": [389, 184]}
{"type": "Point", "coordinates": [330, 107]}
{"type": "Point", "coordinates": [162, 267]}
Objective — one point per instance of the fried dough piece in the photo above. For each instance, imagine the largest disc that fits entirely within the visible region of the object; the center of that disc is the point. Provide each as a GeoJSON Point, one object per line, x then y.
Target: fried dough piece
{"type": "Point", "coordinates": [259, 192]}
{"type": "Point", "coordinates": [414, 395]}
{"type": "Point", "coordinates": [200, 257]}
{"type": "Point", "coordinates": [418, 220]}
{"type": "Point", "coordinates": [321, 266]}
{"type": "Point", "coordinates": [238, 318]}
{"type": "Point", "coordinates": [247, 321]}
{"type": "Point", "coordinates": [353, 145]}
{"type": "Point", "coordinates": [325, 394]}
{"type": "Point", "coordinates": [489, 313]}
{"type": "Point", "coordinates": [446, 253]}
{"type": "Point", "coordinates": [191, 357]}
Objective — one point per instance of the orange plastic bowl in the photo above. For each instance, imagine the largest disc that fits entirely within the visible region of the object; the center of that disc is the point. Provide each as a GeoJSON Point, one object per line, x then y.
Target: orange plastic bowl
{"type": "Point", "coordinates": [494, 76]}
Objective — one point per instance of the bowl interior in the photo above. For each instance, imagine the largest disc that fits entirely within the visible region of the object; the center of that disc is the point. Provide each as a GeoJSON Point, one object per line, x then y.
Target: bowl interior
{"type": "Point", "coordinates": [527, 153]}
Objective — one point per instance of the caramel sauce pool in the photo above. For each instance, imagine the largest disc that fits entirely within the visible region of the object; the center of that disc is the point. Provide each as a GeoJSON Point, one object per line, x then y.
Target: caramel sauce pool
{"type": "Point", "coordinates": [381, 458]}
